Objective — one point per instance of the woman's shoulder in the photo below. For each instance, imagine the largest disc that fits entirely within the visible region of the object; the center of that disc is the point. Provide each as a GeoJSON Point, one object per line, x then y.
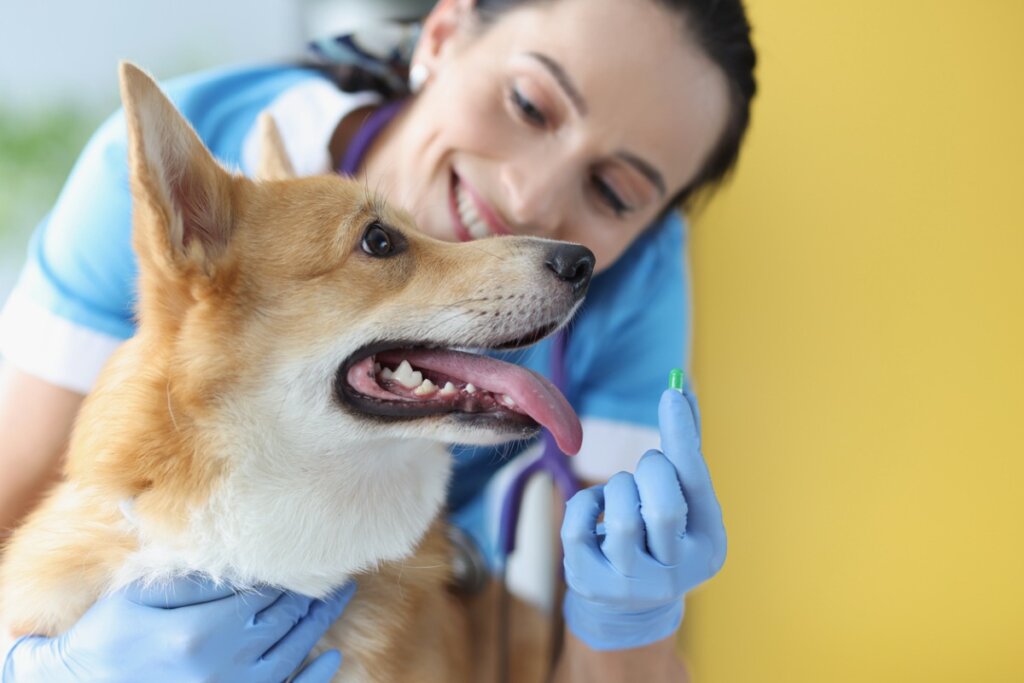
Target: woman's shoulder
{"type": "Point", "coordinates": [633, 328]}
{"type": "Point", "coordinates": [223, 105]}
{"type": "Point", "coordinates": [78, 283]}
{"type": "Point", "coordinates": [236, 85]}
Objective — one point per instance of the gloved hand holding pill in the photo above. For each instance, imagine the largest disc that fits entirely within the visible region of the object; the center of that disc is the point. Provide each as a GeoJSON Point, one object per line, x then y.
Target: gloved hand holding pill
{"type": "Point", "coordinates": [661, 536]}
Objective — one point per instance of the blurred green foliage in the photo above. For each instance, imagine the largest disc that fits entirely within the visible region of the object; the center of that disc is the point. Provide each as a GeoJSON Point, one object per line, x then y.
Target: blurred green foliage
{"type": "Point", "coordinates": [37, 150]}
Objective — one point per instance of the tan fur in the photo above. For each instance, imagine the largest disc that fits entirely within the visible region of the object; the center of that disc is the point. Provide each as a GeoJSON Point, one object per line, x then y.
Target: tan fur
{"type": "Point", "coordinates": [529, 638]}
{"type": "Point", "coordinates": [273, 273]}
{"type": "Point", "coordinates": [274, 162]}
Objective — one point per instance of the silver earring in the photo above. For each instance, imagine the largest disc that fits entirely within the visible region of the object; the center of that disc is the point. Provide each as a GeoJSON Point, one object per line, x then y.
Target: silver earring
{"type": "Point", "coordinates": [419, 73]}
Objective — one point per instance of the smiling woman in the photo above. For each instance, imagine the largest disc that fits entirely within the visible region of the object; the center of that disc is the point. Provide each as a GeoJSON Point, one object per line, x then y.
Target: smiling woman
{"type": "Point", "coordinates": [579, 120]}
{"type": "Point", "coordinates": [521, 128]}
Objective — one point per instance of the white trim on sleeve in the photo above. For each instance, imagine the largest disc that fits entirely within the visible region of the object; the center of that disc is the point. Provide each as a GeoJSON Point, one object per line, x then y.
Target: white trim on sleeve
{"type": "Point", "coordinates": [49, 347]}
{"type": "Point", "coordinates": [610, 447]}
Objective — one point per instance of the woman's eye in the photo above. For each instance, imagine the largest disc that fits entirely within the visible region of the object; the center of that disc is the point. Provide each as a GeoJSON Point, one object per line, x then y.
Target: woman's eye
{"type": "Point", "coordinates": [377, 241]}
{"type": "Point", "coordinates": [609, 196]}
{"type": "Point", "coordinates": [527, 108]}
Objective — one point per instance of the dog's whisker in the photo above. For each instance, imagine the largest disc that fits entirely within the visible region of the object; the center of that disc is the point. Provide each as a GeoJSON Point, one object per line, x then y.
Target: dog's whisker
{"type": "Point", "coordinates": [401, 588]}
{"type": "Point", "coordinates": [378, 193]}
{"type": "Point", "coordinates": [373, 199]}
{"type": "Point", "coordinates": [170, 408]}
{"type": "Point", "coordinates": [481, 248]}
{"type": "Point", "coordinates": [460, 302]}
{"type": "Point", "coordinates": [470, 316]}
{"type": "Point", "coordinates": [452, 315]}
{"type": "Point", "coordinates": [449, 313]}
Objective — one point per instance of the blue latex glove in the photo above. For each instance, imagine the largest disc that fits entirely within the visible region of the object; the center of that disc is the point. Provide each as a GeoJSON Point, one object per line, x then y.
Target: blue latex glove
{"type": "Point", "coordinates": [662, 535]}
{"type": "Point", "coordinates": [187, 630]}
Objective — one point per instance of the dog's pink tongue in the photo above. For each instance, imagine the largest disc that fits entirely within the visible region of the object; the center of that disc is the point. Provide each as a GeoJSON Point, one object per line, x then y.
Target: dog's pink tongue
{"type": "Point", "coordinates": [532, 393]}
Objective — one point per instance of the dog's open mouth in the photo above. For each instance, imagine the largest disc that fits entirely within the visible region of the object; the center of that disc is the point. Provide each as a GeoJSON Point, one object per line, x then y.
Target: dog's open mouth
{"type": "Point", "coordinates": [410, 382]}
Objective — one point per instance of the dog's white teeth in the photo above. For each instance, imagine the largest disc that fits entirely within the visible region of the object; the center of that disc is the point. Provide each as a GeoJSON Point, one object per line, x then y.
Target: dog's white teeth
{"type": "Point", "coordinates": [470, 389]}
{"type": "Point", "coordinates": [448, 389]}
{"type": "Point", "coordinates": [386, 373]}
{"type": "Point", "coordinates": [507, 400]}
{"type": "Point", "coordinates": [426, 388]}
{"type": "Point", "coordinates": [407, 377]}
{"type": "Point", "coordinates": [376, 367]}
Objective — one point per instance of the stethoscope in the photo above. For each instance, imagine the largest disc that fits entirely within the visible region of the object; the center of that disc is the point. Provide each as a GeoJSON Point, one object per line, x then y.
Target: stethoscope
{"type": "Point", "coordinates": [555, 463]}
{"type": "Point", "coordinates": [469, 568]}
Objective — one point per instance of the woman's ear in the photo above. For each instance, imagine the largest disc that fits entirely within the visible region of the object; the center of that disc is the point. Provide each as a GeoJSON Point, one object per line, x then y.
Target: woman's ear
{"type": "Point", "coordinates": [442, 26]}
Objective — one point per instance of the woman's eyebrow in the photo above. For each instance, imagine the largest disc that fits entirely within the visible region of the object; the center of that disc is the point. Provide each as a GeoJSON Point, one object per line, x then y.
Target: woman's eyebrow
{"type": "Point", "coordinates": [563, 80]}
{"type": "Point", "coordinates": [573, 93]}
{"type": "Point", "coordinates": [647, 170]}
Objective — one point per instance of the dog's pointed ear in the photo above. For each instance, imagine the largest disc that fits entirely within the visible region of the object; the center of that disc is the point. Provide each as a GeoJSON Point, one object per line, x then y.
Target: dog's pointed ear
{"type": "Point", "coordinates": [182, 196]}
{"type": "Point", "coordinates": [274, 162]}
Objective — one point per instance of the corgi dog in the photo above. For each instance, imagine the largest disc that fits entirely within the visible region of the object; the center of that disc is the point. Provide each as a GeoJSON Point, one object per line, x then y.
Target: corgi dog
{"type": "Point", "coordinates": [282, 414]}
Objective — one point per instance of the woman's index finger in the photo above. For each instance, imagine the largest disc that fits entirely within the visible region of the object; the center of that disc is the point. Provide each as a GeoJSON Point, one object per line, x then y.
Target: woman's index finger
{"type": "Point", "coordinates": [680, 442]}
{"type": "Point", "coordinates": [680, 438]}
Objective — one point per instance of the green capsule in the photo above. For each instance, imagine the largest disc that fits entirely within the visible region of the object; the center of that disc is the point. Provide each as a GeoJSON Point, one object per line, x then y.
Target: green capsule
{"type": "Point", "coordinates": [676, 379]}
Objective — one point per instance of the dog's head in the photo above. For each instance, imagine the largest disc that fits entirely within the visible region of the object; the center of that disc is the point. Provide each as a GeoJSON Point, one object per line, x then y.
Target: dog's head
{"type": "Point", "coordinates": [309, 305]}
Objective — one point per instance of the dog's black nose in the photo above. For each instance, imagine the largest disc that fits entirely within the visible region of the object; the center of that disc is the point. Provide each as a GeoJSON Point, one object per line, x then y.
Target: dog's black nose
{"type": "Point", "coordinates": [572, 263]}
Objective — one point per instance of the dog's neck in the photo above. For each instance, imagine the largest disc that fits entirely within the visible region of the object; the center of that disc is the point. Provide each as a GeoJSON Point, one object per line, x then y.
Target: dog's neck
{"type": "Point", "coordinates": [298, 500]}
{"type": "Point", "coordinates": [311, 528]}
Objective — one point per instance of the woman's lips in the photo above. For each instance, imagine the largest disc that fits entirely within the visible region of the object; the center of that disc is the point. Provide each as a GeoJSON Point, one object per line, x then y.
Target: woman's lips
{"type": "Point", "coordinates": [485, 214]}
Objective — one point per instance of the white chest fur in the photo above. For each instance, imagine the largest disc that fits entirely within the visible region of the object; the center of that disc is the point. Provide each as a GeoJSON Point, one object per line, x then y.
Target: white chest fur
{"type": "Point", "coordinates": [311, 495]}
{"type": "Point", "coordinates": [303, 509]}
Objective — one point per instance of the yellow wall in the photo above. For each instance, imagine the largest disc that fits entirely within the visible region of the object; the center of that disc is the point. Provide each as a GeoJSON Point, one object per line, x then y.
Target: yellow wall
{"type": "Point", "coordinates": [859, 351]}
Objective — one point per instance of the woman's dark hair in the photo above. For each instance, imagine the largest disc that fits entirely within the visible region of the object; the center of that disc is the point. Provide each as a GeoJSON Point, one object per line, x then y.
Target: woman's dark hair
{"type": "Point", "coordinates": [722, 30]}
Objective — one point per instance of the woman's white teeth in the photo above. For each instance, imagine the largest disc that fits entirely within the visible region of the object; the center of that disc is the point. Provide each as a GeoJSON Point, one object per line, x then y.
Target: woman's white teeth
{"type": "Point", "coordinates": [467, 212]}
{"type": "Point", "coordinates": [448, 389]}
{"type": "Point", "coordinates": [426, 388]}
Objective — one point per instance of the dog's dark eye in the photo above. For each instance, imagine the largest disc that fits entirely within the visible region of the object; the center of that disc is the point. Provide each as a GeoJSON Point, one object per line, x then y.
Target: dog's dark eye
{"type": "Point", "coordinates": [380, 242]}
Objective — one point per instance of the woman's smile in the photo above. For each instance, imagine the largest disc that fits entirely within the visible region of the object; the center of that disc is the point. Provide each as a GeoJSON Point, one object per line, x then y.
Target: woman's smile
{"type": "Point", "coordinates": [473, 217]}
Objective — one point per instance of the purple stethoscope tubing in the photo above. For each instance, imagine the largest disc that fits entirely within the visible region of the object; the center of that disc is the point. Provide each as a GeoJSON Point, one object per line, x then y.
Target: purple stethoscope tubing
{"type": "Point", "coordinates": [552, 461]}
{"type": "Point", "coordinates": [556, 463]}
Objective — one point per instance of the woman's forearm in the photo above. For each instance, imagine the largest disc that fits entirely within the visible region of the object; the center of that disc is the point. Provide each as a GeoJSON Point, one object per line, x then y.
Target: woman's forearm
{"type": "Point", "coordinates": [655, 663]}
{"type": "Point", "coordinates": [35, 421]}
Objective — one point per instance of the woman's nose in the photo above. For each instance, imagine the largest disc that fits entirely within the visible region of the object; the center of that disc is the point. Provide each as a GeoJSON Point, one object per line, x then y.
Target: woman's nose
{"type": "Point", "coordinates": [535, 195]}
